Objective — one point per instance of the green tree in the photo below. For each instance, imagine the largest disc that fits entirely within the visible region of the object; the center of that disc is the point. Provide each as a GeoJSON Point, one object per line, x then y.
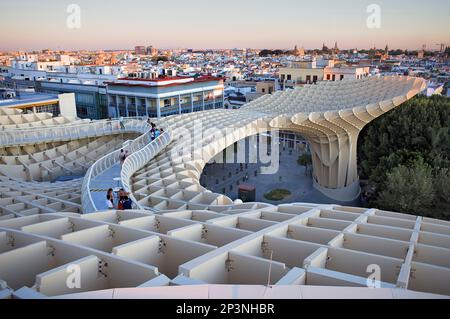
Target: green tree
{"type": "Point", "coordinates": [435, 139]}
{"type": "Point", "coordinates": [416, 131]}
{"type": "Point", "coordinates": [389, 162]}
{"type": "Point", "coordinates": [442, 191]}
{"type": "Point", "coordinates": [266, 52]}
{"type": "Point", "coordinates": [305, 160]}
{"type": "Point", "coordinates": [408, 189]}
{"type": "Point", "coordinates": [161, 58]}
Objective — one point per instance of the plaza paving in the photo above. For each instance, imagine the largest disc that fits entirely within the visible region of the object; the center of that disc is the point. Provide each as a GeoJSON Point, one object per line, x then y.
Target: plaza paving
{"type": "Point", "coordinates": [293, 178]}
{"type": "Point", "coordinates": [290, 176]}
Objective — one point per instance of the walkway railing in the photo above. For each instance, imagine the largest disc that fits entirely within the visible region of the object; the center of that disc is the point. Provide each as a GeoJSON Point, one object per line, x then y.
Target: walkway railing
{"type": "Point", "coordinates": [103, 164]}
{"type": "Point", "coordinates": [18, 136]}
{"type": "Point", "coordinates": [139, 159]}
{"type": "Point", "coordinates": [108, 161]}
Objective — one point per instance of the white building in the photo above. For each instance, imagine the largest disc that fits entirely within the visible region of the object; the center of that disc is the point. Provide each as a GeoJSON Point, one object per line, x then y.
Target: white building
{"type": "Point", "coordinates": [164, 96]}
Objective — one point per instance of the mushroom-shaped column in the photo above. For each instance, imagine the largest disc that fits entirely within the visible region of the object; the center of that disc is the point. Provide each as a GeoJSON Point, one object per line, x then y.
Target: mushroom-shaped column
{"type": "Point", "coordinates": [333, 136]}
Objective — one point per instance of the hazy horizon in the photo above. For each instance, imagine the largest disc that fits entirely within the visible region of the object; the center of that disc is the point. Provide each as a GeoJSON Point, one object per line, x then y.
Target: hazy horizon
{"type": "Point", "coordinates": [204, 24]}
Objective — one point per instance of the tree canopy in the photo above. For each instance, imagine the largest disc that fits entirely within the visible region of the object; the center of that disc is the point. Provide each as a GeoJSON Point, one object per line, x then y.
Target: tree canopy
{"type": "Point", "coordinates": [266, 52]}
{"type": "Point", "coordinates": [408, 188]}
{"type": "Point", "coordinates": [405, 156]}
{"type": "Point", "coordinates": [161, 58]}
{"type": "Point", "coordinates": [305, 160]}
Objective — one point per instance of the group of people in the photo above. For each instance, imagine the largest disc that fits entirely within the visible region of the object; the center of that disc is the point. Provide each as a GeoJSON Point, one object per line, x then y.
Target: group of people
{"type": "Point", "coordinates": [154, 131]}
{"type": "Point", "coordinates": [124, 202]}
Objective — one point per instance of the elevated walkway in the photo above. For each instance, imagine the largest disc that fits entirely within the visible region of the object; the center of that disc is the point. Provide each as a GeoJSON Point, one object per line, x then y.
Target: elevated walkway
{"type": "Point", "coordinates": [101, 184]}
{"type": "Point", "coordinates": [68, 132]}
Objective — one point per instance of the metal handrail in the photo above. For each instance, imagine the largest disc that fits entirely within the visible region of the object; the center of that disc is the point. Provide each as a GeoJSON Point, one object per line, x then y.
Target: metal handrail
{"type": "Point", "coordinates": [105, 163]}
{"type": "Point", "coordinates": [76, 122]}
{"type": "Point", "coordinates": [108, 161]}
{"type": "Point", "coordinates": [95, 170]}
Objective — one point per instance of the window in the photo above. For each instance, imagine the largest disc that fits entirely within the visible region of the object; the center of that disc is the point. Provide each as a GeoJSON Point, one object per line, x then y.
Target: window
{"type": "Point", "coordinates": [82, 98]}
{"type": "Point", "coordinates": [264, 90]}
{"type": "Point", "coordinates": [54, 109]}
{"type": "Point", "coordinates": [82, 112]}
{"type": "Point", "coordinates": [289, 77]}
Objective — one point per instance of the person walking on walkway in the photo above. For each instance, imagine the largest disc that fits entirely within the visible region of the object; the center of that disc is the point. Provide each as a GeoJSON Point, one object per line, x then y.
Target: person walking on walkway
{"type": "Point", "coordinates": [122, 125]}
{"type": "Point", "coordinates": [152, 132]}
{"type": "Point", "coordinates": [122, 157]}
{"type": "Point", "coordinates": [157, 133]}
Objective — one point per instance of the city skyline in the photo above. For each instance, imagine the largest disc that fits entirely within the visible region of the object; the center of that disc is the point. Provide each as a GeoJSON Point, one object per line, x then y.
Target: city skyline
{"type": "Point", "coordinates": [253, 24]}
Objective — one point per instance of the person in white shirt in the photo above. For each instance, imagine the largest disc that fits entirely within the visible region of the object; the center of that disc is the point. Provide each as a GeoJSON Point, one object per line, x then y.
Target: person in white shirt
{"type": "Point", "coordinates": [109, 202]}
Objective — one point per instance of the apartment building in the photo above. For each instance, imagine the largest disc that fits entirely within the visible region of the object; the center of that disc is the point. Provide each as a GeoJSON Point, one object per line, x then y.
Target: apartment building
{"type": "Point", "coordinates": [91, 100]}
{"type": "Point", "coordinates": [307, 72]}
{"type": "Point", "coordinates": [140, 50]}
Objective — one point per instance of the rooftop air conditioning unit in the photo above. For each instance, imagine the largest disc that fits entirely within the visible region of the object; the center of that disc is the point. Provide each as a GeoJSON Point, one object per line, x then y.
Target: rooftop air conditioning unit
{"type": "Point", "coordinates": [9, 95]}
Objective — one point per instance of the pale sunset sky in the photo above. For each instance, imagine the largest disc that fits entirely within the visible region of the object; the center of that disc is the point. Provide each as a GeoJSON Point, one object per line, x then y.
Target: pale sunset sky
{"type": "Point", "coordinates": [111, 24]}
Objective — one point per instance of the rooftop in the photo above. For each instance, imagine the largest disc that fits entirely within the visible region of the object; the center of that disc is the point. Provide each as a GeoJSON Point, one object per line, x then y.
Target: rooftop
{"type": "Point", "coordinates": [25, 98]}
{"type": "Point", "coordinates": [163, 81]}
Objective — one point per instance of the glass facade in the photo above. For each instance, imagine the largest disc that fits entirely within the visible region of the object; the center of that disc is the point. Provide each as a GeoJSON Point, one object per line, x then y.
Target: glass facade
{"type": "Point", "coordinates": [90, 103]}
{"type": "Point", "coordinates": [53, 108]}
{"type": "Point", "coordinates": [125, 106]}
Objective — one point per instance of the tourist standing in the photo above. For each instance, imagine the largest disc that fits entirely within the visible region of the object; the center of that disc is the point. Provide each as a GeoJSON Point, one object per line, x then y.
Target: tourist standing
{"type": "Point", "coordinates": [127, 203]}
{"type": "Point", "coordinates": [109, 202]}
{"type": "Point", "coordinates": [110, 193]}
